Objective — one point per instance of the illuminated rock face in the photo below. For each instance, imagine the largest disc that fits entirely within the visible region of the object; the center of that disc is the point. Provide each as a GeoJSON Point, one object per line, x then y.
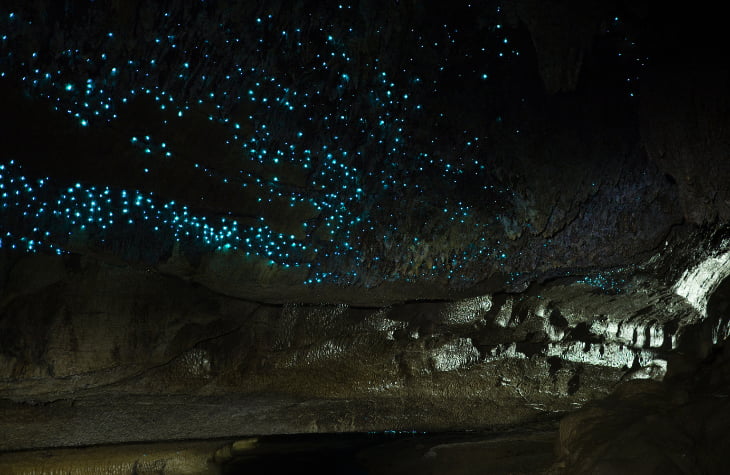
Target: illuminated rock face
{"type": "Point", "coordinates": [348, 218]}
{"type": "Point", "coordinates": [119, 338]}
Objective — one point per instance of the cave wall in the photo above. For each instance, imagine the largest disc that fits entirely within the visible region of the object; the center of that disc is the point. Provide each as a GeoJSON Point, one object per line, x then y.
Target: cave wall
{"type": "Point", "coordinates": [85, 336]}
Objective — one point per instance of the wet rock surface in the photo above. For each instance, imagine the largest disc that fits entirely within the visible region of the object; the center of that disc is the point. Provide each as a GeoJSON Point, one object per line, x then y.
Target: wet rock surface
{"type": "Point", "coordinates": [162, 458]}
{"type": "Point", "coordinates": [93, 343]}
{"type": "Point", "coordinates": [678, 426]}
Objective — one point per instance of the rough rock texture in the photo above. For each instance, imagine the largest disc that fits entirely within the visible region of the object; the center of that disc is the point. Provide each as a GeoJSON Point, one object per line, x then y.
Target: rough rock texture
{"type": "Point", "coordinates": [196, 457]}
{"type": "Point", "coordinates": [95, 343]}
{"type": "Point", "coordinates": [677, 425]}
{"type": "Point", "coordinates": [649, 427]}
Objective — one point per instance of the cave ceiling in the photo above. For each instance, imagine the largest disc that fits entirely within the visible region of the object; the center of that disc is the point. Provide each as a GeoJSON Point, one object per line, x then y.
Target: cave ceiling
{"type": "Point", "coordinates": [353, 146]}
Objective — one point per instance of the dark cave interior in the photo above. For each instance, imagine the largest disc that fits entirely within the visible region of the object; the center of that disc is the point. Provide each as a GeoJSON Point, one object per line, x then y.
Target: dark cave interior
{"type": "Point", "coordinates": [378, 236]}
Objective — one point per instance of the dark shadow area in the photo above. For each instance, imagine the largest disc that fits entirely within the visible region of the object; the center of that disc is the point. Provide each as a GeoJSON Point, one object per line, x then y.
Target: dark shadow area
{"type": "Point", "coordinates": [524, 451]}
{"type": "Point", "coordinates": [323, 453]}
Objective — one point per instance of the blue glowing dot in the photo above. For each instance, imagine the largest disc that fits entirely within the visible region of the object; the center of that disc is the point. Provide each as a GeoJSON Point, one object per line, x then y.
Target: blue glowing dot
{"type": "Point", "coordinates": [69, 87]}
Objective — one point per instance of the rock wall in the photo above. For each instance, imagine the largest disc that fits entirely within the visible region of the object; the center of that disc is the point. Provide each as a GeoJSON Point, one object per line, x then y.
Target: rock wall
{"type": "Point", "coordinates": [127, 351]}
